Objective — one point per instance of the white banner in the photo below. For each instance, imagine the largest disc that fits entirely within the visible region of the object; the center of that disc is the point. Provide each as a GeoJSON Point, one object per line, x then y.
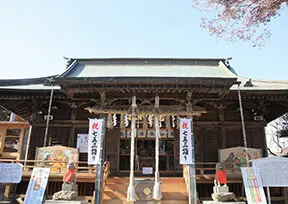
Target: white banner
{"type": "Point", "coordinates": [10, 173]}
{"type": "Point", "coordinates": [37, 185]}
{"type": "Point", "coordinates": [82, 143]}
{"type": "Point", "coordinates": [253, 186]}
{"type": "Point", "coordinates": [186, 148]}
{"type": "Point", "coordinates": [94, 140]}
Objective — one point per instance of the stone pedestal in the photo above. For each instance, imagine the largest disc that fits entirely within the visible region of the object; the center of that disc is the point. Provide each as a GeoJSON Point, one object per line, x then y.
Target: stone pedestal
{"type": "Point", "coordinates": [69, 187]}
{"type": "Point", "coordinates": [68, 192]}
{"type": "Point", "coordinates": [66, 202]}
{"type": "Point", "coordinates": [221, 189]}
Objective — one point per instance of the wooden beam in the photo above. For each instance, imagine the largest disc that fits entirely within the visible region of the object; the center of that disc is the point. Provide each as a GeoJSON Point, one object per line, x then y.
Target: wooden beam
{"type": "Point", "coordinates": [167, 112]}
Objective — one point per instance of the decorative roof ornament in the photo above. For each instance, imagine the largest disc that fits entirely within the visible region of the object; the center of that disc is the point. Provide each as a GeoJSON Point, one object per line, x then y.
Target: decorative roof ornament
{"type": "Point", "coordinates": [248, 83]}
{"type": "Point", "coordinates": [68, 61]}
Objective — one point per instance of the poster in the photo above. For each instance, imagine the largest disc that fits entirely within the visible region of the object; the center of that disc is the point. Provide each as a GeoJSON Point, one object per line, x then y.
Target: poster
{"type": "Point", "coordinates": [253, 186]}
{"type": "Point", "coordinates": [10, 173]}
{"type": "Point", "coordinates": [186, 148]}
{"type": "Point", "coordinates": [56, 157]}
{"type": "Point", "coordinates": [82, 143]}
{"type": "Point", "coordinates": [94, 140]}
{"type": "Point", "coordinates": [273, 171]}
{"type": "Point", "coordinates": [235, 157]}
{"type": "Point", "coordinates": [37, 185]}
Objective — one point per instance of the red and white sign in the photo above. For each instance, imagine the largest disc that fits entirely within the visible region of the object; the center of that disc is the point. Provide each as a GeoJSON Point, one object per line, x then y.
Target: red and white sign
{"type": "Point", "coordinates": [186, 148]}
{"type": "Point", "coordinates": [94, 140]}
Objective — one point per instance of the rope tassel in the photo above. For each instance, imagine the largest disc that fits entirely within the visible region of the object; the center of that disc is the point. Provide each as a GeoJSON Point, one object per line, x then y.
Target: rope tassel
{"type": "Point", "coordinates": [157, 195]}
{"type": "Point", "coordinates": [131, 194]}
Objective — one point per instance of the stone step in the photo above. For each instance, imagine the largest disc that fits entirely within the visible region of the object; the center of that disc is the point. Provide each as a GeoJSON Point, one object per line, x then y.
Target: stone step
{"type": "Point", "coordinates": [164, 187]}
{"type": "Point", "coordinates": [118, 201]}
{"type": "Point", "coordinates": [165, 180]}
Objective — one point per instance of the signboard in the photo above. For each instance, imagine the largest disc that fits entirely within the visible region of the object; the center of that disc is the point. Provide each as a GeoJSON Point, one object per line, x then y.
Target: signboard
{"type": "Point", "coordinates": [82, 143]}
{"type": "Point", "coordinates": [56, 157]}
{"type": "Point", "coordinates": [147, 170]}
{"type": "Point", "coordinates": [273, 171]}
{"type": "Point", "coordinates": [10, 173]}
{"type": "Point", "coordinates": [37, 185]}
{"type": "Point", "coordinates": [94, 140]}
{"type": "Point", "coordinates": [236, 157]}
{"type": "Point", "coordinates": [186, 148]}
{"type": "Point", "coordinates": [253, 186]}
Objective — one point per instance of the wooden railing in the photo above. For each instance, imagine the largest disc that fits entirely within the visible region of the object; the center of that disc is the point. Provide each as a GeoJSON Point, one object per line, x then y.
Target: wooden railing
{"type": "Point", "coordinates": [207, 170]}
{"type": "Point", "coordinates": [81, 167]}
{"type": "Point", "coordinates": [203, 169]}
{"type": "Point", "coordinates": [85, 174]}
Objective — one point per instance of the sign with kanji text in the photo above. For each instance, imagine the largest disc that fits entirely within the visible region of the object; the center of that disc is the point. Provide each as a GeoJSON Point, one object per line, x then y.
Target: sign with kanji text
{"type": "Point", "coordinates": [37, 186]}
{"type": "Point", "coordinates": [186, 148]}
{"type": "Point", "coordinates": [82, 143]}
{"type": "Point", "coordinates": [94, 140]}
{"type": "Point", "coordinates": [10, 173]}
{"type": "Point", "coordinates": [253, 186]}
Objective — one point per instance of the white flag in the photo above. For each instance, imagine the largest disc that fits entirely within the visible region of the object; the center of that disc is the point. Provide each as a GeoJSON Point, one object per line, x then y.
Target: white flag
{"type": "Point", "coordinates": [94, 141]}
{"type": "Point", "coordinates": [186, 148]}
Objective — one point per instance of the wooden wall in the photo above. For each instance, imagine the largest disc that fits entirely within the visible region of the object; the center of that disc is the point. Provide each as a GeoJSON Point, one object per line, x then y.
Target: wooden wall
{"type": "Point", "coordinates": [215, 130]}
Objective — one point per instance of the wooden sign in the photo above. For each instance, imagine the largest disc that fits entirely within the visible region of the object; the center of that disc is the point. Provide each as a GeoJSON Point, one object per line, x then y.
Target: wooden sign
{"type": "Point", "coordinates": [56, 157]}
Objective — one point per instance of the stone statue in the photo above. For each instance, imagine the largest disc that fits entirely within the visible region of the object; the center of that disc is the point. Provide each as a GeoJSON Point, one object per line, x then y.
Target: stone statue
{"type": "Point", "coordinates": [69, 187]}
{"type": "Point", "coordinates": [70, 176]}
{"type": "Point", "coordinates": [221, 190]}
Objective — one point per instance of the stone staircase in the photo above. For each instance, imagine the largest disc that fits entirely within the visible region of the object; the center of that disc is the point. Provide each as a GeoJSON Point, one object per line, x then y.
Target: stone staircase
{"type": "Point", "coordinates": [173, 190]}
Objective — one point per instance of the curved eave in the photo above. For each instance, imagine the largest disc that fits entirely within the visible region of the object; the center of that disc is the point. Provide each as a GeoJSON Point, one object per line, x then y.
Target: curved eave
{"type": "Point", "coordinates": [260, 85]}
{"type": "Point", "coordinates": [137, 80]}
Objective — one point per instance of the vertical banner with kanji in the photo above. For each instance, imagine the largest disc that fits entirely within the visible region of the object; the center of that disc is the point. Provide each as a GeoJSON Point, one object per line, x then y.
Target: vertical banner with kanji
{"type": "Point", "coordinates": [94, 140]}
{"type": "Point", "coordinates": [253, 186]}
{"type": "Point", "coordinates": [37, 186]}
{"type": "Point", "coordinates": [186, 148]}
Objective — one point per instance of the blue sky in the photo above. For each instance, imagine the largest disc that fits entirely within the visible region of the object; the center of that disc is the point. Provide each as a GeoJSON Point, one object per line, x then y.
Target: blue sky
{"type": "Point", "coordinates": [35, 35]}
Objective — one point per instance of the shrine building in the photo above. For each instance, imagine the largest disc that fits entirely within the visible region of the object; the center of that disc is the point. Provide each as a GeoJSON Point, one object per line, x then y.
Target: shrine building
{"type": "Point", "coordinates": [207, 90]}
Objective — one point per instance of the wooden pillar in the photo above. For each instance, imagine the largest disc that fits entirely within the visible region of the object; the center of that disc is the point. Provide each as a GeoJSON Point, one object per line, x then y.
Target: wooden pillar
{"type": "Point", "coordinates": [223, 141]}
{"type": "Point", "coordinates": [72, 137]}
{"type": "Point", "coordinates": [192, 186]}
{"type": "Point", "coordinates": [286, 195]}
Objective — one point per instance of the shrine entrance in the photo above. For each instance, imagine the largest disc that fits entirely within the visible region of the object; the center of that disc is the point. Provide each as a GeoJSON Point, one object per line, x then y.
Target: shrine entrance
{"type": "Point", "coordinates": [145, 154]}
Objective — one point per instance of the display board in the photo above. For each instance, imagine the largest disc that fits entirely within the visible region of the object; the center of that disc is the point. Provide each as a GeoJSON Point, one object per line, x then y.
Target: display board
{"type": "Point", "coordinates": [82, 143]}
{"type": "Point", "coordinates": [273, 171]}
{"type": "Point", "coordinates": [253, 186]}
{"type": "Point", "coordinates": [56, 157]}
{"type": "Point", "coordinates": [10, 173]}
{"type": "Point", "coordinates": [235, 157]}
{"type": "Point", "coordinates": [37, 185]}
